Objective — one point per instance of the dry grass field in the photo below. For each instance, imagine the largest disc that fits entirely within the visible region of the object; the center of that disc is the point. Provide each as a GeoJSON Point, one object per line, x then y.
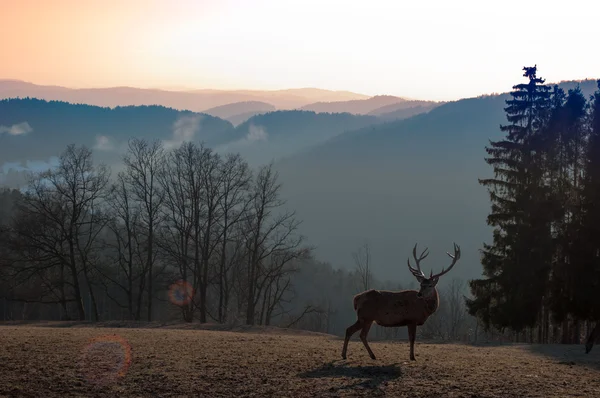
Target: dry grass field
{"type": "Point", "coordinates": [167, 362]}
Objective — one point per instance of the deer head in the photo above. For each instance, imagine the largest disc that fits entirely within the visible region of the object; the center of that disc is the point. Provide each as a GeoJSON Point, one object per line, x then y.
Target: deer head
{"type": "Point", "coordinates": [428, 284]}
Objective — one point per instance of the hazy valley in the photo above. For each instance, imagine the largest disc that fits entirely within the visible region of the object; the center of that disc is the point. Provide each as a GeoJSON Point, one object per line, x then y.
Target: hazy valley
{"type": "Point", "coordinates": [351, 176]}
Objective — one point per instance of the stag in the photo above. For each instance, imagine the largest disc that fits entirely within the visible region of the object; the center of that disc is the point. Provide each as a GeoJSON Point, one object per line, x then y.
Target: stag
{"type": "Point", "coordinates": [409, 308]}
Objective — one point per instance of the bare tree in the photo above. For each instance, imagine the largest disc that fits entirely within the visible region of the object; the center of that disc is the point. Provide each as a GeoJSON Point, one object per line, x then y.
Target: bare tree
{"type": "Point", "coordinates": [207, 232]}
{"type": "Point", "coordinates": [180, 182]}
{"type": "Point", "coordinates": [143, 162]}
{"type": "Point", "coordinates": [236, 178]}
{"type": "Point", "coordinates": [271, 239]}
{"type": "Point", "coordinates": [58, 225]}
{"type": "Point", "coordinates": [456, 313]}
{"type": "Point", "coordinates": [125, 268]}
{"type": "Point", "coordinates": [362, 263]}
{"type": "Point", "coordinates": [205, 199]}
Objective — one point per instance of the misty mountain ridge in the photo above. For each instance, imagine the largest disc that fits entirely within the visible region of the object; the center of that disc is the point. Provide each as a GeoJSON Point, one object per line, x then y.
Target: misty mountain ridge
{"type": "Point", "coordinates": [239, 112]}
{"type": "Point", "coordinates": [195, 100]}
{"type": "Point", "coordinates": [310, 93]}
{"type": "Point", "coordinates": [33, 130]}
{"type": "Point", "coordinates": [236, 106]}
{"type": "Point", "coordinates": [225, 111]}
{"type": "Point", "coordinates": [359, 106]}
{"type": "Point", "coordinates": [351, 178]}
{"type": "Point", "coordinates": [278, 134]}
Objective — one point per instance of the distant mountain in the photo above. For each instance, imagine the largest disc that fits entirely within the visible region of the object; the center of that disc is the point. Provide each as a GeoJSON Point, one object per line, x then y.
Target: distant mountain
{"type": "Point", "coordinates": [405, 104]}
{"type": "Point", "coordinates": [404, 113]}
{"type": "Point", "coordinates": [34, 129]}
{"type": "Point", "coordinates": [236, 120]}
{"type": "Point", "coordinates": [386, 106]}
{"type": "Point", "coordinates": [225, 111]}
{"type": "Point", "coordinates": [311, 94]}
{"type": "Point", "coordinates": [400, 183]}
{"type": "Point", "coordinates": [37, 130]}
{"type": "Point", "coordinates": [197, 100]}
{"type": "Point", "coordinates": [239, 112]}
{"type": "Point", "coordinates": [357, 107]}
{"type": "Point", "coordinates": [282, 133]}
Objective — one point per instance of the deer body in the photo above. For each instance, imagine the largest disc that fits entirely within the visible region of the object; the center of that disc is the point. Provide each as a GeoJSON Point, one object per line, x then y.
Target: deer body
{"type": "Point", "coordinates": [394, 309]}
{"type": "Point", "coordinates": [410, 308]}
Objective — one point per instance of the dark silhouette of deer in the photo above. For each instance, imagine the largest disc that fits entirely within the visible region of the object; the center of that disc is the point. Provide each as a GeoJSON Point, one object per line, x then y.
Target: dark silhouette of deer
{"type": "Point", "coordinates": [409, 308]}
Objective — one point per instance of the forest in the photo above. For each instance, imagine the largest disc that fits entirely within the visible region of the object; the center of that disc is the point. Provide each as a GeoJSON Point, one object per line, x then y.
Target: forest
{"type": "Point", "coordinates": [542, 269]}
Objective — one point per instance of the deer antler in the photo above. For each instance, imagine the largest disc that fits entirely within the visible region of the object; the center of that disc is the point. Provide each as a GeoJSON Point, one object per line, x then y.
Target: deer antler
{"type": "Point", "coordinates": [417, 272]}
{"type": "Point", "coordinates": [454, 258]}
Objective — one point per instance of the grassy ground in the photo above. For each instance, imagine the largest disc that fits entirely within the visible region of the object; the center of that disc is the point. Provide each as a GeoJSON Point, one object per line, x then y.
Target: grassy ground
{"type": "Point", "coordinates": [83, 361]}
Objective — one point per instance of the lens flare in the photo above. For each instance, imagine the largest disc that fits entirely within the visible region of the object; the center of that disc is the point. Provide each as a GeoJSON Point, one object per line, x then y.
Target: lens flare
{"type": "Point", "coordinates": [105, 359]}
{"type": "Point", "coordinates": [181, 292]}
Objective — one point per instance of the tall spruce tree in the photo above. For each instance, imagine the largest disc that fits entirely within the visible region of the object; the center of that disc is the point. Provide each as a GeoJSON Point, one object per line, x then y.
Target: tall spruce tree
{"type": "Point", "coordinates": [568, 131]}
{"type": "Point", "coordinates": [584, 275]}
{"type": "Point", "coordinates": [553, 143]}
{"type": "Point", "coordinates": [516, 264]}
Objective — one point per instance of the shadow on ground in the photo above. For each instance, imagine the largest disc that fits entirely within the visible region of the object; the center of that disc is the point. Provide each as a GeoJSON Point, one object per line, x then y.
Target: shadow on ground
{"type": "Point", "coordinates": [568, 354]}
{"type": "Point", "coordinates": [371, 377]}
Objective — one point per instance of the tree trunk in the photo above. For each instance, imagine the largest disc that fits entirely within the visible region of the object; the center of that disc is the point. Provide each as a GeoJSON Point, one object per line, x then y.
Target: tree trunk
{"type": "Point", "coordinates": [73, 268]}
{"type": "Point", "coordinates": [547, 326]}
{"type": "Point", "coordinates": [576, 332]}
{"type": "Point", "coordinates": [250, 305]}
{"type": "Point", "coordinates": [531, 335]}
{"type": "Point", "coordinates": [130, 279]}
{"type": "Point", "coordinates": [565, 332]}
{"type": "Point", "coordinates": [222, 275]}
{"type": "Point", "coordinates": [149, 265]}
{"type": "Point", "coordinates": [94, 306]}
{"type": "Point", "coordinates": [540, 325]}
{"type": "Point", "coordinates": [93, 303]}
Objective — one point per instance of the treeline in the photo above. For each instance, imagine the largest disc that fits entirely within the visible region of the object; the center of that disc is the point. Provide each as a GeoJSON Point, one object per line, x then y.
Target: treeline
{"type": "Point", "coordinates": [187, 214]}
{"type": "Point", "coordinates": [542, 269]}
{"type": "Point", "coordinates": [81, 243]}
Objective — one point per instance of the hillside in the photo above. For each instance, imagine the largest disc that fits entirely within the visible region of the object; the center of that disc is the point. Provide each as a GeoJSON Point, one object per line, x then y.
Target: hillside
{"type": "Point", "coordinates": [32, 131]}
{"type": "Point", "coordinates": [404, 105]}
{"type": "Point", "coordinates": [239, 112]}
{"type": "Point", "coordinates": [52, 125]}
{"type": "Point", "coordinates": [229, 110]}
{"type": "Point", "coordinates": [405, 113]}
{"type": "Point", "coordinates": [358, 107]}
{"type": "Point", "coordinates": [196, 100]}
{"type": "Point", "coordinates": [404, 109]}
{"type": "Point", "coordinates": [282, 133]}
{"type": "Point", "coordinates": [399, 183]}
{"type": "Point", "coordinates": [238, 119]}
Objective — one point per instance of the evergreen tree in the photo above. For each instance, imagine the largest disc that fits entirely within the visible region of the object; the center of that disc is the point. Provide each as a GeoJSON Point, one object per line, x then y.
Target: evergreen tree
{"type": "Point", "coordinates": [584, 276]}
{"type": "Point", "coordinates": [516, 264]}
{"type": "Point", "coordinates": [568, 129]}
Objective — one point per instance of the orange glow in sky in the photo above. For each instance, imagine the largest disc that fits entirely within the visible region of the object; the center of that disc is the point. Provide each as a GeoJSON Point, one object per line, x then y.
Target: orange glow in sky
{"type": "Point", "coordinates": [434, 49]}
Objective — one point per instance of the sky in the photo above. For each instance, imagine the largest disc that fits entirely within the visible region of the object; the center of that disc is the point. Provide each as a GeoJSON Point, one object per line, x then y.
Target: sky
{"type": "Point", "coordinates": [422, 49]}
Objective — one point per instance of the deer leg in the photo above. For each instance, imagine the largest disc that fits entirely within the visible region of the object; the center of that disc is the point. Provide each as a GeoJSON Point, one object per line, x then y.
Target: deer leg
{"type": "Point", "coordinates": [349, 332]}
{"type": "Point", "coordinates": [363, 337]}
{"type": "Point", "coordinates": [412, 331]}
